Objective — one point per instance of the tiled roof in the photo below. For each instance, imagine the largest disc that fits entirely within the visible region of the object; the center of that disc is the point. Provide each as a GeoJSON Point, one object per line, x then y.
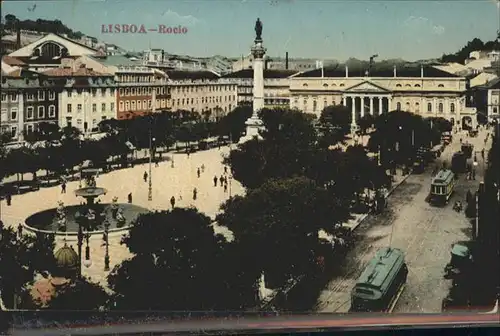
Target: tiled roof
{"type": "Point", "coordinates": [401, 71]}
{"type": "Point", "coordinates": [69, 72]}
{"type": "Point", "coordinates": [42, 60]}
{"type": "Point", "coordinates": [12, 60]}
{"type": "Point", "coordinates": [268, 73]}
{"type": "Point", "coordinates": [180, 75]}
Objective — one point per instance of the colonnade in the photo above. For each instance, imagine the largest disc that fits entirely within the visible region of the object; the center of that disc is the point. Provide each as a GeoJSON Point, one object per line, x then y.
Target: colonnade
{"type": "Point", "coordinates": [375, 105]}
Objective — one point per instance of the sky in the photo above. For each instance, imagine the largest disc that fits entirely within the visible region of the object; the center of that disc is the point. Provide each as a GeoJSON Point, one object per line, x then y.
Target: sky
{"type": "Point", "coordinates": [320, 29]}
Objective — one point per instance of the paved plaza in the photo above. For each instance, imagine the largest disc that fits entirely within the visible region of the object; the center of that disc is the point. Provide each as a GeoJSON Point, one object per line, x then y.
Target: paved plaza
{"type": "Point", "coordinates": [425, 233]}
{"type": "Point", "coordinates": [178, 181]}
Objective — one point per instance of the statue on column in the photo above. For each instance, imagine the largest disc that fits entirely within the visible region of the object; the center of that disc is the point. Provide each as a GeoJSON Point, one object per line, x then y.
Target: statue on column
{"type": "Point", "coordinates": [258, 29]}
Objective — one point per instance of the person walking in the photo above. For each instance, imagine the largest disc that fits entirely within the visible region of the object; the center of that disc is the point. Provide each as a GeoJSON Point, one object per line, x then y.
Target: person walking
{"type": "Point", "coordinates": [8, 198]}
{"type": "Point", "coordinates": [63, 187]}
{"type": "Point", "coordinates": [225, 169]}
{"type": "Point", "coordinates": [195, 194]}
{"type": "Point", "coordinates": [215, 181]}
{"type": "Point", "coordinates": [172, 202]}
{"type": "Point", "coordinates": [225, 187]}
{"type": "Point", "coordinates": [198, 172]}
{"type": "Point", "coordinates": [221, 180]}
{"type": "Point", "coordinates": [129, 197]}
{"type": "Point", "coordinates": [20, 230]}
{"type": "Point", "coordinates": [145, 176]}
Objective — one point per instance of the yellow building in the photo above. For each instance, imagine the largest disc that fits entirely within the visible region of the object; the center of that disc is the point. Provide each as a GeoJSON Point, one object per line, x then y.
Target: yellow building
{"type": "Point", "coordinates": [423, 90]}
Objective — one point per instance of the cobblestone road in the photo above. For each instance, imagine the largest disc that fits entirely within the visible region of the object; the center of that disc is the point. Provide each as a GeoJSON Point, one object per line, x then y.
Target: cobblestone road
{"type": "Point", "coordinates": [425, 233]}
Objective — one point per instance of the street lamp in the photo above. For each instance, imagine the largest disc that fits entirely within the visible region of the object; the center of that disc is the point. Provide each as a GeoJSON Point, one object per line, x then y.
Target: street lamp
{"type": "Point", "coordinates": [230, 180]}
{"type": "Point", "coordinates": [87, 263]}
{"type": "Point", "coordinates": [106, 241]}
{"type": "Point", "coordinates": [150, 186]}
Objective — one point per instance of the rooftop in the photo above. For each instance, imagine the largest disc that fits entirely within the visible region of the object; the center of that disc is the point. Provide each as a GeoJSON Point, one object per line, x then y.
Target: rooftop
{"type": "Point", "coordinates": [193, 75]}
{"type": "Point", "coordinates": [69, 72]}
{"type": "Point", "coordinates": [116, 60]}
{"type": "Point", "coordinates": [339, 70]}
{"type": "Point", "coordinates": [12, 60]}
{"type": "Point", "coordinates": [268, 73]}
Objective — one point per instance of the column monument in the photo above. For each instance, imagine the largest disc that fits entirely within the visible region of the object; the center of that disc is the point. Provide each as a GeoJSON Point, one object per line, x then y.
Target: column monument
{"type": "Point", "coordinates": [254, 124]}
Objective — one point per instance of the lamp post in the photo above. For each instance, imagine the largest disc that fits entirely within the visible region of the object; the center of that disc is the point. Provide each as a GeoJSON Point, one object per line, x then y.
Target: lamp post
{"type": "Point", "coordinates": [150, 186]}
{"type": "Point", "coordinates": [230, 180]}
{"type": "Point", "coordinates": [106, 241]}
{"type": "Point", "coordinates": [87, 263]}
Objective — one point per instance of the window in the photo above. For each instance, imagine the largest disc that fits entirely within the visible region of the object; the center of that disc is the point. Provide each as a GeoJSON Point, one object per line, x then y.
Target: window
{"type": "Point", "coordinates": [112, 107]}
{"type": "Point", "coordinates": [29, 129]}
{"type": "Point", "coordinates": [41, 111]}
{"type": "Point", "coordinates": [417, 107]}
{"type": "Point", "coordinates": [52, 95]}
{"type": "Point", "coordinates": [407, 85]}
{"type": "Point", "coordinates": [103, 107]}
{"type": "Point", "coordinates": [127, 106]}
{"type": "Point", "coordinates": [133, 105]}
{"type": "Point", "coordinates": [139, 105]}
{"type": "Point", "coordinates": [30, 111]}
{"type": "Point", "coordinates": [495, 110]}
{"type": "Point", "coordinates": [440, 107]}
{"type": "Point", "coordinates": [69, 94]}
{"type": "Point", "coordinates": [325, 85]}
{"type": "Point", "coordinates": [315, 105]}
{"type": "Point", "coordinates": [149, 103]}
{"type": "Point", "coordinates": [398, 85]}
{"type": "Point", "coordinates": [398, 106]}
{"type": "Point", "coordinates": [94, 108]}
{"type": "Point", "coordinates": [13, 113]}
{"type": "Point", "coordinates": [133, 92]}
{"type": "Point", "coordinates": [440, 85]}
{"type": "Point", "coordinates": [30, 96]}
{"type": "Point", "coordinates": [341, 84]}
{"type": "Point", "coordinates": [4, 97]}
{"type": "Point", "coordinates": [452, 107]}
{"type": "Point", "coordinates": [120, 91]}
{"type": "Point", "coordinates": [417, 85]}
{"type": "Point", "coordinates": [145, 103]}
{"type": "Point", "coordinates": [94, 92]}
{"type": "Point", "coordinates": [3, 116]}
{"type": "Point", "coordinates": [120, 106]}
{"type": "Point", "coordinates": [79, 121]}
{"type": "Point", "coordinates": [13, 131]}
{"type": "Point", "coordinates": [127, 92]}
{"type": "Point", "coordinates": [41, 95]}
{"type": "Point", "coordinates": [52, 111]}
{"type": "Point", "coordinates": [79, 108]}
{"type": "Point", "coordinates": [429, 107]}
{"type": "Point", "coordinates": [13, 97]}
{"type": "Point", "coordinates": [94, 121]}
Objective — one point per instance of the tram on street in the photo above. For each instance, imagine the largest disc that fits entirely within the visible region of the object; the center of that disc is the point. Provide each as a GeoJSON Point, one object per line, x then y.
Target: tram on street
{"type": "Point", "coordinates": [381, 283]}
{"type": "Point", "coordinates": [442, 187]}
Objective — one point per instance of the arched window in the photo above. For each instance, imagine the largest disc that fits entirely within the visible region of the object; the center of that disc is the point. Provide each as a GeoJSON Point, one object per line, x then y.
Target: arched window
{"type": "Point", "coordinates": [407, 106]}
{"type": "Point", "coordinates": [305, 85]}
{"type": "Point", "coordinates": [51, 50]}
{"type": "Point", "coordinates": [429, 107]}
{"type": "Point", "coordinates": [440, 107]}
{"type": "Point", "coordinates": [440, 85]}
{"type": "Point", "coordinates": [334, 85]}
{"type": "Point", "coordinates": [408, 85]}
{"type": "Point", "coordinates": [417, 107]}
{"type": "Point", "coordinates": [452, 107]}
{"type": "Point", "coordinates": [121, 106]}
{"type": "Point", "coordinates": [398, 85]}
{"type": "Point", "coordinates": [341, 84]}
{"type": "Point", "coordinates": [127, 106]}
{"type": "Point", "coordinates": [398, 106]}
{"type": "Point", "coordinates": [325, 85]}
{"type": "Point", "coordinates": [417, 85]}
{"type": "Point", "coordinates": [305, 103]}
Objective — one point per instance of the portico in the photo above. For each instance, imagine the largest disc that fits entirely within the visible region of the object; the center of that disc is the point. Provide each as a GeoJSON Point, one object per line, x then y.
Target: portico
{"type": "Point", "coordinates": [367, 98]}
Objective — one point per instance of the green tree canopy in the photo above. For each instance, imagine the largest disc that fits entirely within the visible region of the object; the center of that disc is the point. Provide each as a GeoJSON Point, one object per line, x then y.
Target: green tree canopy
{"type": "Point", "coordinates": [80, 294]}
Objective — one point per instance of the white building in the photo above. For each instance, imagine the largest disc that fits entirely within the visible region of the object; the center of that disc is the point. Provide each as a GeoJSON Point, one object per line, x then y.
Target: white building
{"type": "Point", "coordinates": [87, 98]}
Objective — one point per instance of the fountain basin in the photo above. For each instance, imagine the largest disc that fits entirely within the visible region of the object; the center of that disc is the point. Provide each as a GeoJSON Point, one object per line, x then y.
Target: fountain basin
{"type": "Point", "coordinates": [46, 221]}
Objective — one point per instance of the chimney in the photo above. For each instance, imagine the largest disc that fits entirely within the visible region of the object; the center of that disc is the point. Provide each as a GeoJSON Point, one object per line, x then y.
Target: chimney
{"type": "Point", "coordinates": [346, 71]}
{"type": "Point", "coordinates": [286, 60]}
{"type": "Point", "coordinates": [395, 73]}
{"type": "Point", "coordinates": [421, 71]}
{"type": "Point", "coordinates": [18, 38]}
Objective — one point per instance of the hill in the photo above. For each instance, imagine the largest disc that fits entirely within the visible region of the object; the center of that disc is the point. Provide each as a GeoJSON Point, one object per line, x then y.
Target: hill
{"type": "Point", "coordinates": [11, 23]}
{"type": "Point", "coordinates": [476, 44]}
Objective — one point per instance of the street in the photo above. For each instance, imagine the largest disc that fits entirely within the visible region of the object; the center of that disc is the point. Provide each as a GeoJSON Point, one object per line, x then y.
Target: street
{"type": "Point", "coordinates": [425, 233]}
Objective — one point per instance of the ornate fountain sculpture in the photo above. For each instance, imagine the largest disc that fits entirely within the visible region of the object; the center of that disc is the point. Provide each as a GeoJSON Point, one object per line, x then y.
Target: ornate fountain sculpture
{"type": "Point", "coordinates": [61, 216]}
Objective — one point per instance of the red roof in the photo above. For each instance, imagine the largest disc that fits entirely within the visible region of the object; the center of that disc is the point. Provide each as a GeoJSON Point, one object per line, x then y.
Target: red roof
{"type": "Point", "coordinates": [69, 72]}
{"type": "Point", "coordinates": [12, 60]}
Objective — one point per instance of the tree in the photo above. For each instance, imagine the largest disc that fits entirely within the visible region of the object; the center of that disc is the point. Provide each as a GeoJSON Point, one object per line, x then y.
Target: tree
{"type": "Point", "coordinates": [20, 259]}
{"type": "Point", "coordinates": [23, 160]}
{"type": "Point", "coordinates": [233, 123]}
{"type": "Point", "coordinates": [288, 144]}
{"type": "Point", "coordinates": [338, 116]}
{"type": "Point", "coordinates": [282, 219]}
{"type": "Point", "coordinates": [178, 264]}
{"type": "Point", "coordinates": [80, 294]}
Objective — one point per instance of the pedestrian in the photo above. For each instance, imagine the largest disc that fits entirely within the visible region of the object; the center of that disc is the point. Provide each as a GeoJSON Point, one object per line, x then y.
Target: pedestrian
{"type": "Point", "coordinates": [129, 197]}
{"type": "Point", "coordinates": [225, 187]}
{"type": "Point", "coordinates": [225, 169]}
{"type": "Point", "coordinates": [20, 230]}
{"type": "Point", "coordinates": [188, 153]}
{"type": "Point", "coordinates": [8, 198]}
{"type": "Point", "coordinates": [145, 176]}
{"type": "Point", "coordinates": [221, 180]}
{"type": "Point", "coordinates": [482, 153]}
{"type": "Point", "coordinates": [156, 163]}
{"type": "Point", "coordinates": [172, 202]}
{"type": "Point", "coordinates": [198, 172]}
{"type": "Point", "coordinates": [195, 194]}
{"type": "Point", "coordinates": [473, 174]}
{"type": "Point", "coordinates": [215, 181]}
{"type": "Point", "coordinates": [63, 188]}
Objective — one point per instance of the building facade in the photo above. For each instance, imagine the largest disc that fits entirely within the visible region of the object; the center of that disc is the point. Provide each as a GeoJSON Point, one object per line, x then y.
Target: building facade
{"type": "Point", "coordinates": [276, 86]}
{"type": "Point", "coordinates": [30, 99]}
{"type": "Point", "coordinates": [87, 97]}
{"type": "Point", "coordinates": [141, 90]}
{"type": "Point", "coordinates": [426, 91]}
{"type": "Point", "coordinates": [201, 91]}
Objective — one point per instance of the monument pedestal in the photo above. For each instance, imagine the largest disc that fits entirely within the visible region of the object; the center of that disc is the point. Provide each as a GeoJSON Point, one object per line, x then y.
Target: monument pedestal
{"type": "Point", "coordinates": [254, 125]}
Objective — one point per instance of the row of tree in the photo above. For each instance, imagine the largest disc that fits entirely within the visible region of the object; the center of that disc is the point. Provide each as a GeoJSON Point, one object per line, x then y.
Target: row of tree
{"type": "Point", "coordinates": [297, 185]}
{"type": "Point", "coordinates": [40, 25]}
{"type": "Point", "coordinates": [473, 45]}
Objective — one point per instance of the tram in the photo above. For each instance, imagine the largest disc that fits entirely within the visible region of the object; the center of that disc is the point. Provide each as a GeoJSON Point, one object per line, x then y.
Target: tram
{"type": "Point", "coordinates": [381, 283]}
{"type": "Point", "coordinates": [442, 187]}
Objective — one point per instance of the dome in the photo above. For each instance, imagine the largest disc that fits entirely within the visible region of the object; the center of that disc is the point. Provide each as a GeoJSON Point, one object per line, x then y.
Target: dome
{"type": "Point", "coordinates": [66, 258]}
